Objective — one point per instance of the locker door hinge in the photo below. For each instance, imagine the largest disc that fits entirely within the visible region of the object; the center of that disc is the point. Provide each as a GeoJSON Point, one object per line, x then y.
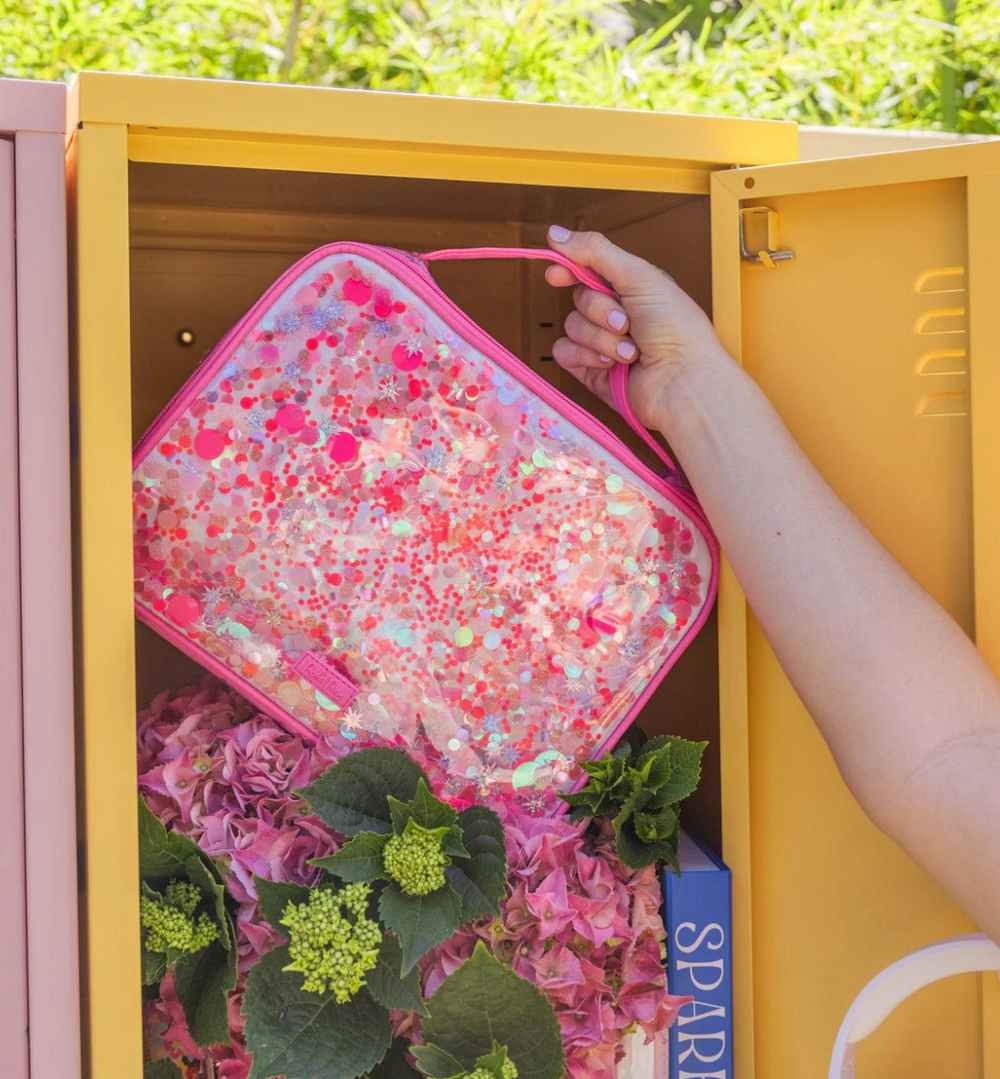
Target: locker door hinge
{"type": "Point", "coordinates": [759, 237]}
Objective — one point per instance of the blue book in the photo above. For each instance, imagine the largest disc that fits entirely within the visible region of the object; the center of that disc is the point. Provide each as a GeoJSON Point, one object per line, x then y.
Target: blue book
{"type": "Point", "coordinates": [699, 962]}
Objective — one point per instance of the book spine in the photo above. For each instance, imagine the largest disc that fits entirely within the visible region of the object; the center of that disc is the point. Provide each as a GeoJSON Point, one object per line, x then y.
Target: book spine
{"type": "Point", "coordinates": [699, 964]}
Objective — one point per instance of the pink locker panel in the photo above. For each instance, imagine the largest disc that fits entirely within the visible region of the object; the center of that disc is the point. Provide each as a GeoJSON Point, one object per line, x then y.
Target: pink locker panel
{"type": "Point", "coordinates": [39, 975]}
{"type": "Point", "coordinates": [14, 972]}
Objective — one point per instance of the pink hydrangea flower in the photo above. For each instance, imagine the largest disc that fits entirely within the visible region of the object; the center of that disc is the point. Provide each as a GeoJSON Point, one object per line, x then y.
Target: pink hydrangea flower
{"type": "Point", "coordinates": [576, 922]}
{"type": "Point", "coordinates": [224, 776]}
{"type": "Point", "coordinates": [582, 927]}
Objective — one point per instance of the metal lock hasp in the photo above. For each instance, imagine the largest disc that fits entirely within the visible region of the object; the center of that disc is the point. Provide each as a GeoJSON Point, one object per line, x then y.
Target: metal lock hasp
{"type": "Point", "coordinates": [759, 237]}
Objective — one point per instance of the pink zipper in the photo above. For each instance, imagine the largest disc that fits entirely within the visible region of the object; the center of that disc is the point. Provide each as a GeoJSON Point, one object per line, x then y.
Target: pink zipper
{"type": "Point", "coordinates": [416, 275]}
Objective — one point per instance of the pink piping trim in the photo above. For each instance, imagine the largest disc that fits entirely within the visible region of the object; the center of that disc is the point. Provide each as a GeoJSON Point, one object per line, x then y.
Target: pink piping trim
{"type": "Point", "coordinates": [583, 274]}
{"type": "Point", "coordinates": [412, 271]}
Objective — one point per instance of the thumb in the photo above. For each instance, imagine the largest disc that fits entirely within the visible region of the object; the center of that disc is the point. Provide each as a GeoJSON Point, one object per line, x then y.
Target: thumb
{"type": "Point", "coordinates": [594, 250]}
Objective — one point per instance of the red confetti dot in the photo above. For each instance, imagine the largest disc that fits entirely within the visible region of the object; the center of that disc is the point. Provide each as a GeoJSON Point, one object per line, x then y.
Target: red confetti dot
{"type": "Point", "coordinates": [209, 444]}
{"type": "Point", "coordinates": [182, 610]}
{"type": "Point", "coordinates": [405, 360]}
{"type": "Point", "coordinates": [291, 417]}
{"type": "Point", "coordinates": [343, 447]}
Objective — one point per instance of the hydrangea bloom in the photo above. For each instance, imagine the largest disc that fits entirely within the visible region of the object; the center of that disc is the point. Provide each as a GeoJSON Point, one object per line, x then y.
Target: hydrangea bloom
{"type": "Point", "coordinates": [415, 859]}
{"type": "Point", "coordinates": [583, 928]}
{"type": "Point", "coordinates": [169, 920]}
{"type": "Point", "coordinates": [213, 769]}
{"type": "Point", "coordinates": [577, 923]}
{"type": "Point", "coordinates": [332, 942]}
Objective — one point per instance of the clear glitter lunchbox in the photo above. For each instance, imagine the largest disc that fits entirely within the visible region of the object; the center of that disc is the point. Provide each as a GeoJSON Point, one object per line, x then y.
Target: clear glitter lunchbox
{"type": "Point", "coordinates": [381, 527]}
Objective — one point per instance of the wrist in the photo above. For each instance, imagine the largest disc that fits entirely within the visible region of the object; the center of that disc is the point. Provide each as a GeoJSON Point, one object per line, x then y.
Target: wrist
{"type": "Point", "coordinates": [689, 386]}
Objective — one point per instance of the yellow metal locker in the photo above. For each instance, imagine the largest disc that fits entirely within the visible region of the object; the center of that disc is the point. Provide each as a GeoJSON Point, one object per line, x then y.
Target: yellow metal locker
{"type": "Point", "coordinates": [190, 196]}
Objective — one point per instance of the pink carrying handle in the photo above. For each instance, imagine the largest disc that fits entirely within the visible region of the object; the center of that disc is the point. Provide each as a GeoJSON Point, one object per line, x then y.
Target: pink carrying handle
{"type": "Point", "coordinates": [618, 375]}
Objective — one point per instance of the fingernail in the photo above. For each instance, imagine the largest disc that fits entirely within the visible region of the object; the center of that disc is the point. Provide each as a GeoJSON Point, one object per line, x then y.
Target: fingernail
{"type": "Point", "coordinates": [559, 234]}
{"type": "Point", "coordinates": [626, 350]}
{"type": "Point", "coordinates": [616, 320]}
{"type": "Point", "coordinates": [604, 359]}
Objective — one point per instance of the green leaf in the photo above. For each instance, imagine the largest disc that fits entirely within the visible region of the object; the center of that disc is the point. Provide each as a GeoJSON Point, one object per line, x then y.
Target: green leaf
{"type": "Point", "coordinates": [667, 852]}
{"type": "Point", "coordinates": [394, 1064]}
{"type": "Point", "coordinates": [653, 827]}
{"type": "Point", "coordinates": [580, 799]}
{"type": "Point", "coordinates": [360, 859]}
{"type": "Point", "coordinates": [162, 854]}
{"type": "Point", "coordinates": [387, 986]}
{"type": "Point", "coordinates": [657, 766]}
{"type": "Point", "coordinates": [637, 853]}
{"type": "Point", "coordinates": [292, 1033]}
{"type": "Point", "coordinates": [399, 814]}
{"type": "Point", "coordinates": [435, 1063]}
{"type": "Point", "coordinates": [685, 765]}
{"type": "Point", "coordinates": [352, 795]}
{"type": "Point", "coordinates": [666, 771]}
{"type": "Point", "coordinates": [203, 983]}
{"type": "Point", "coordinates": [154, 966]}
{"type": "Point", "coordinates": [429, 813]}
{"type": "Point", "coordinates": [632, 851]}
{"type": "Point", "coordinates": [484, 1004]}
{"type": "Point", "coordinates": [273, 898]}
{"type": "Point", "coordinates": [161, 1069]}
{"type": "Point", "coordinates": [420, 922]}
{"type": "Point", "coordinates": [494, 1062]}
{"type": "Point", "coordinates": [623, 750]}
{"type": "Point", "coordinates": [451, 843]}
{"type": "Point", "coordinates": [480, 879]}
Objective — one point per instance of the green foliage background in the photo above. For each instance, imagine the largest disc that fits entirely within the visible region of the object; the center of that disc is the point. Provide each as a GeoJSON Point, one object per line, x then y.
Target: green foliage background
{"type": "Point", "coordinates": [876, 63]}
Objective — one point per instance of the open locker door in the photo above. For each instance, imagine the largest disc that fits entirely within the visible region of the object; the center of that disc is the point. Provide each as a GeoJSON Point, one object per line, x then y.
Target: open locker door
{"type": "Point", "coordinates": [861, 294]}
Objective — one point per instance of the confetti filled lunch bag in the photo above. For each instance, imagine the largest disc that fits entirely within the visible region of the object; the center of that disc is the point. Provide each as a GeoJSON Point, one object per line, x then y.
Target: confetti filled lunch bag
{"type": "Point", "coordinates": [379, 525]}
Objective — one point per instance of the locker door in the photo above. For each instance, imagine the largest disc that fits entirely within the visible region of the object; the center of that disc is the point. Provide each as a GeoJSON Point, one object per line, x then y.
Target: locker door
{"type": "Point", "coordinates": [864, 341]}
{"type": "Point", "coordinates": [13, 971]}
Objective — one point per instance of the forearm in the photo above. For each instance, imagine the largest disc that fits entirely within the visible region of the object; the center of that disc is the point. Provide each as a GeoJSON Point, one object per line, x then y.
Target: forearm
{"type": "Point", "coordinates": [908, 707]}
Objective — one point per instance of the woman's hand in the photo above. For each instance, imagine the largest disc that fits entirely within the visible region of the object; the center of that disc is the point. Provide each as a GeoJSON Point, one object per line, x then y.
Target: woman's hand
{"type": "Point", "coordinates": [657, 326]}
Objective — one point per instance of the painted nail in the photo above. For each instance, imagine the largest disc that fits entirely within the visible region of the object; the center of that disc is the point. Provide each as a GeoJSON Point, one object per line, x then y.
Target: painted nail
{"type": "Point", "coordinates": [559, 234]}
{"type": "Point", "coordinates": [604, 359]}
{"type": "Point", "coordinates": [626, 350]}
{"type": "Point", "coordinates": [616, 320]}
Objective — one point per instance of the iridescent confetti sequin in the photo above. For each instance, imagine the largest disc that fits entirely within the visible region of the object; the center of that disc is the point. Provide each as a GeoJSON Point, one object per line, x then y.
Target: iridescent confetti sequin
{"type": "Point", "coordinates": [354, 479]}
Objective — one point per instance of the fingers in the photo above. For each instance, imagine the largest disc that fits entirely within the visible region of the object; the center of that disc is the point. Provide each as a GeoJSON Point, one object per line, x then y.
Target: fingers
{"type": "Point", "coordinates": [585, 366]}
{"type": "Point", "coordinates": [560, 276]}
{"type": "Point", "coordinates": [595, 338]}
{"type": "Point", "coordinates": [602, 310]}
{"type": "Point", "coordinates": [596, 251]}
{"type": "Point", "coordinates": [567, 353]}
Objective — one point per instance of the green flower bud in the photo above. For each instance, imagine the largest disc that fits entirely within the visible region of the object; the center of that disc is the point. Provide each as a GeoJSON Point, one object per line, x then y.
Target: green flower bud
{"type": "Point", "coordinates": [508, 1071]}
{"type": "Point", "coordinates": [415, 860]}
{"type": "Point", "coordinates": [332, 942]}
{"type": "Point", "coordinates": [169, 923]}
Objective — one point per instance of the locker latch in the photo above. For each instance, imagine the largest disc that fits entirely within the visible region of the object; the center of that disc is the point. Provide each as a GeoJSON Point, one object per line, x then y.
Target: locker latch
{"type": "Point", "coordinates": [759, 237]}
